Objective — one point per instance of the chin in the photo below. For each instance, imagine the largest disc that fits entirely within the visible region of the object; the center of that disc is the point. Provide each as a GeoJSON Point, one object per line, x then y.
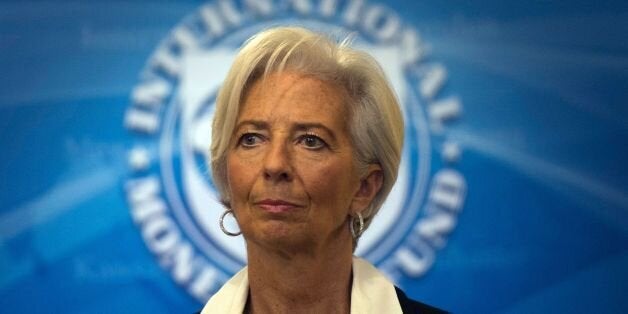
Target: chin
{"type": "Point", "coordinates": [283, 235]}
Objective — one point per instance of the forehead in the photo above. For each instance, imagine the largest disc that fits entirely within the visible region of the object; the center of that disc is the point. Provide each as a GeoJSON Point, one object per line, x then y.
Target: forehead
{"type": "Point", "coordinates": [294, 96]}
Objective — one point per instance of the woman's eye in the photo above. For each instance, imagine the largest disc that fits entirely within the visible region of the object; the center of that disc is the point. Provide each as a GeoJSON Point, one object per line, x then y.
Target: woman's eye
{"type": "Point", "coordinates": [250, 140]}
{"type": "Point", "coordinates": [312, 141]}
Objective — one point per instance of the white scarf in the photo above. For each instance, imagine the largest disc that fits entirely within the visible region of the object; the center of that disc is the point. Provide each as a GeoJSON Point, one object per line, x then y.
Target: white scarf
{"type": "Point", "coordinates": [371, 292]}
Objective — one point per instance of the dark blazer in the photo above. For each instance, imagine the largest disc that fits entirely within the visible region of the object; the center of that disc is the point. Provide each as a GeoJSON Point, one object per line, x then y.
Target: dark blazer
{"type": "Point", "coordinates": [409, 306]}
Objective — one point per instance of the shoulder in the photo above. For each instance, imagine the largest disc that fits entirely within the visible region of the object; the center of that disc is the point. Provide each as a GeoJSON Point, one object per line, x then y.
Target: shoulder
{"type": "Point", "coordinates": [411, 306]}
{"type": "Point", "coordinates": [231, 297]}
{"type": "Point", "coordinates": [372, 292]}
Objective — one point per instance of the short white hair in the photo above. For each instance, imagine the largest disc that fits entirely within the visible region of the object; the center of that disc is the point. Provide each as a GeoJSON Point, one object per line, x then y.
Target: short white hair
{"type": "Point", "coordinates": [376, 124]}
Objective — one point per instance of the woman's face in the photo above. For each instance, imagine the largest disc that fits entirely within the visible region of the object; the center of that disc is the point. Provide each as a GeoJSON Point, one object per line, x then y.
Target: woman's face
{"type": "Point", "coordinates": [290, 163]}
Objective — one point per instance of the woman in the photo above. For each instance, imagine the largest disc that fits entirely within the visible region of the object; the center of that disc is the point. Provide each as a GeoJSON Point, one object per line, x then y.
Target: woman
{"type": "Point", "coordinates": [306, 144]}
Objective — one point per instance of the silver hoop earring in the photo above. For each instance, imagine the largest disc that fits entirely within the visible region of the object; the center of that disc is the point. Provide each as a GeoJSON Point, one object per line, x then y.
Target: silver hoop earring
{"type": "Point", "coordinates": [352, 222]}
{"type": "Point", "coordinates": [222, 226]}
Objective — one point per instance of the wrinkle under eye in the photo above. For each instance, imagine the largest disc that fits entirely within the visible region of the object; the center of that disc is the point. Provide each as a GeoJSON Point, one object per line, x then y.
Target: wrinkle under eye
{"type": "Point", "coordinates": [312, 141]}
{"type": "Point", "coordinates": [249, 140]}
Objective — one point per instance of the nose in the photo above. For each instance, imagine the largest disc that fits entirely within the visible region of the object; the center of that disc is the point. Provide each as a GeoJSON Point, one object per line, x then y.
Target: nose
{"type": "Point", "coordinates": [278, 163]}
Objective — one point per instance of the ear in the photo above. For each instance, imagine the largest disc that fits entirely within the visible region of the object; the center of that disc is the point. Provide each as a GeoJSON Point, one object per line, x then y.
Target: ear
{"type": "Point", "coordinates": [370, 184]}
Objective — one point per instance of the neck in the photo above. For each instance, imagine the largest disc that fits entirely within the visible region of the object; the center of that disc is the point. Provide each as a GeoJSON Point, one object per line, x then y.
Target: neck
{"type": "Point", "coordinates": [311, 281]}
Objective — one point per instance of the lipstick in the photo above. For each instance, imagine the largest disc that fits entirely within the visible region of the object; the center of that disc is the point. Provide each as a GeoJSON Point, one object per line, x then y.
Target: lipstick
{"type": "Point", "coordinates": [276, 206]}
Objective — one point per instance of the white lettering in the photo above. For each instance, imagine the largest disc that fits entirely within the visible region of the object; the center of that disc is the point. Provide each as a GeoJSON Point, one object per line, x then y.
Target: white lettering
{"type": "Point", "coordinates": [302, 7]}
{"type": "Point", "coordinates": [182, 258]}
{"type": "Point", "coordinates": [142, 194]}
{"type": "Point", "coordinates": [412, 46]}
{"type": "Point", "coordinates": [352, 12]}
{"type": "Point", "coordinates": [185, 39]}
{"type": "Point", "coordinates": [442, 111]}
{"type": "Point", "coordinates": [433, 81]}
{"type": "Point", "coordinates": [261, 7]}
{"type": "Point", "coordinates": [164, 239]}
{"type": "Point", "coordinates": [165, 60]}
{"type": "Point", "coordinates": [229, 12]}
{"type": "Point", "coordinates": [435, 227]}
{"type": "Point", "coordinates": [328, 7]}
{"type": "Point", "coordinates": [204, 284]}
{"type": "Point", "coordinates": [213, 23]}
{"type": "Point", "coordinates": [381, 23]}
{"type": "Point", "coordinates": [218, 20]}
{"type": "Point", "coordinates": [413, 263]}
{"type": "Point", "coordinates": [160, 234]}
{"type": "Point", "coordinates": [141, 120]}
{"type": "Point", "coordinates": [448, 190]}
{"type": "Point", "coordinates": [151, 93]}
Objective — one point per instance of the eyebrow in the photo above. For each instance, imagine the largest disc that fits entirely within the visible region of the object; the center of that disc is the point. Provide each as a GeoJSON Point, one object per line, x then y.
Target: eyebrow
{"type": "Point", "coordinates": [260, 125]}
{"type": "Point", "coordinates": [257, 124]}
{"type": "Point", "coordinates": [314, 125]}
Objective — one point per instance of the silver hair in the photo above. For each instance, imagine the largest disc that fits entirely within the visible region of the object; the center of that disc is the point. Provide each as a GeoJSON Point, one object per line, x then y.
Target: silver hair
{"type": "Point", "coordinates": [376, 122]}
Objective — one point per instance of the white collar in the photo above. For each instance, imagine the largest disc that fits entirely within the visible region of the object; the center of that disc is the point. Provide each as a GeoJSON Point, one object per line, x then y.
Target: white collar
{"type": "Point", "coordinates": [371, 292]}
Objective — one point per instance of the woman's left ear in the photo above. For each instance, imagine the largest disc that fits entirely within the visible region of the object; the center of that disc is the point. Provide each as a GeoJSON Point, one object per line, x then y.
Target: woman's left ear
{"type": "Point", "coordinates": [370, 184]}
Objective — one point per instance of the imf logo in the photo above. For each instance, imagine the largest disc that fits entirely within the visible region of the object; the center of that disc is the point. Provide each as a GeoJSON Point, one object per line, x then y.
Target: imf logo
{"type": "Point", "coordinates": [169, 188]}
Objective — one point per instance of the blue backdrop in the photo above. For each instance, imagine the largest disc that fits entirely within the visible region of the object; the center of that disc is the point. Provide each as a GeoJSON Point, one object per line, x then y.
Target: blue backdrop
{"type": "Point", "coordinates": [519, 204]}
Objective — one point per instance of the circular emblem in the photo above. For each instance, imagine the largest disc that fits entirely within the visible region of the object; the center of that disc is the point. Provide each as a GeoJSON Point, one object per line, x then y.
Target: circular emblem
{"type": "Point", "coordinates": [169, 188]}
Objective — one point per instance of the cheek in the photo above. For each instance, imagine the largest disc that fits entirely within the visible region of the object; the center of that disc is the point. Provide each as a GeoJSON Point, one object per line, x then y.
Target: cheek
{"type": "Point", "coordinates": [330, 183]}
{"type": "Point", "coordinates": [239, 178]}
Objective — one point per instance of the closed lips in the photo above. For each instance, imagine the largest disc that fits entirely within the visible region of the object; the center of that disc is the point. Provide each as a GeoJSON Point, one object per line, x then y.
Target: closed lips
{"type": "Point", "coordinates": [272, 205]}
